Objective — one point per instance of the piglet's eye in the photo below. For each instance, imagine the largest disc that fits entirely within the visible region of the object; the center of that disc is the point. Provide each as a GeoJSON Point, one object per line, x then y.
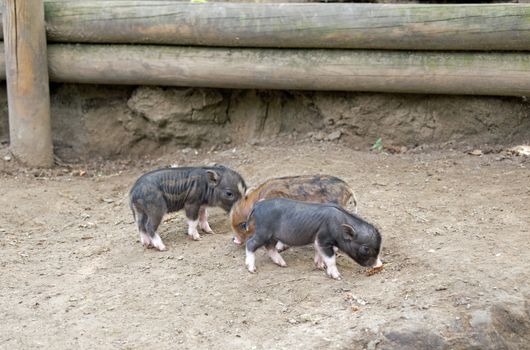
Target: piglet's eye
{"type": "Point", "coordinates": [364, 250]}
{"type": "Point", "coordinates": [229, 194]}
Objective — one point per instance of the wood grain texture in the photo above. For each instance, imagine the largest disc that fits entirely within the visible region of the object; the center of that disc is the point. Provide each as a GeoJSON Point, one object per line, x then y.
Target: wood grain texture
{"type": "Point", "coordinates": [291, 25]}
{"type": "Point", "coordinates": [293, 69]}
{"type": "Point", "coordinates": [26, 71]}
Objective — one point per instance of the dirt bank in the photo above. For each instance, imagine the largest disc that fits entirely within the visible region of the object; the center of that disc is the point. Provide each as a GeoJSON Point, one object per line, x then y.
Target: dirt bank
{"type": "Point", "coordinates": [117, 121]}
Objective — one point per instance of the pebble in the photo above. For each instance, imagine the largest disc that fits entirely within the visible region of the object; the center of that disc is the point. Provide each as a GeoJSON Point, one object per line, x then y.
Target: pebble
{"type": "Point", "coordinates": [319, 136]}
{"type": "Point", "coordinates": [335, 135]}
{"type": "Point", "coordinates": [7, 158]}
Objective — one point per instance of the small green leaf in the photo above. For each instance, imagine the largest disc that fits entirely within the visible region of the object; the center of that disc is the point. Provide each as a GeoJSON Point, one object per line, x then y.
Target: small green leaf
{"type": "Point", "coordinates": [378, 145]}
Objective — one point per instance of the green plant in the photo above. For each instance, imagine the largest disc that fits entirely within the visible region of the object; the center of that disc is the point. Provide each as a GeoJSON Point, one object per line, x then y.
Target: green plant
{"type": "Point", "coordinates": [378, 145]}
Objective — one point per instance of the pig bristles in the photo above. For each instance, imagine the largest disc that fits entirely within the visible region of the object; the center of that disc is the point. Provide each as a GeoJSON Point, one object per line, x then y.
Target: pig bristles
{"type": "Point", "coordinates": [353, 200]}
{"type": "Point", "coordinates": [249, 191]}
{"type": "Point", "coordinates": [241, 189]}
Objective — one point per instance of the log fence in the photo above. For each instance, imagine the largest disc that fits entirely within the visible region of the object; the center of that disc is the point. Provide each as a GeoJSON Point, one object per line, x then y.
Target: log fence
{"type": "Point", "coordinates": [480, 49]}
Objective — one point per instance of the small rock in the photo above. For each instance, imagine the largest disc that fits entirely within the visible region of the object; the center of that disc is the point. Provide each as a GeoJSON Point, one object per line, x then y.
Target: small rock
{"type": "Point", "coordinates": [335, 135]}
{"type": "Point", "coordinates": [475, 152]}
{"type": "Point", "coordinates": [522, 150]}
{"type": "Point", "coordinates": [319, 136]}
{"type": "Point", "coordinates": [372, 345]}
{"type": "Point", "coordinates": [7, 158]}
{"type": "Point", "coordinates": [227, 140]}
{"type": "Point", "coordinates": [214, 148]}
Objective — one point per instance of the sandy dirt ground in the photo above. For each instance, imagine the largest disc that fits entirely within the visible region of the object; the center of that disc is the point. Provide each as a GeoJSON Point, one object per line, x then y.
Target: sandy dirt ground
{"type": "Point", "coordinates": [456, 253]}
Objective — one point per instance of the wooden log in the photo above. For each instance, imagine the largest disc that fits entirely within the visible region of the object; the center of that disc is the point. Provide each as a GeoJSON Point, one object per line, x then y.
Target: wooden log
{"type": "Point", "coordinates": [291, 25]}
{"type": "Point", "coordinates": [26, 72]}
{"type": "Point", "coordinates": [291, 69]}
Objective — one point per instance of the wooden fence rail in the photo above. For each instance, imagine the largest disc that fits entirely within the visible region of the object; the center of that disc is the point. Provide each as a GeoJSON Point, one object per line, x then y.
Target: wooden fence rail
{"type": "Point", "coordinates": [290, 25]}
{"type": "Point", "coordinates": [297, 69]}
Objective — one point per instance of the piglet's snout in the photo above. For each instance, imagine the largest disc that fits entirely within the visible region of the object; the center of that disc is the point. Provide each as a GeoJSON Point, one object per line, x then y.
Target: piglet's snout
{"type": "Point", "coordinates": [377, 263]}
{"type": "Point", "coordinates": [236, 240]}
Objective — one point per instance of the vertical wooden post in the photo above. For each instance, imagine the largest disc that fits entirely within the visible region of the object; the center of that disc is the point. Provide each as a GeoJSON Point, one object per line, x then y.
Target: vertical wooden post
{"type": "Point", "coordinates": [28, 92]}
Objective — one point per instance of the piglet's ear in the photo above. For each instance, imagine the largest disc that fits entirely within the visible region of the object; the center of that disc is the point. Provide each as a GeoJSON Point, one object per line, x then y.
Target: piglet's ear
{"type": "Point", "coordinates": [349, 231]}
{"type": "Point", "coordinates": [213, 177]}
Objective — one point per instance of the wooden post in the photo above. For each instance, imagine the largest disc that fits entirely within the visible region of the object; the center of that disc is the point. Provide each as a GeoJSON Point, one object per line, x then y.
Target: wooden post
{"type": "Point", "coordinates": [28, 93]}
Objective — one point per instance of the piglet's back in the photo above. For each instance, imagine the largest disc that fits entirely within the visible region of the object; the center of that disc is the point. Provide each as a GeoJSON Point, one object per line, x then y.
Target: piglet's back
{"type": "Point", "coordinates": [308, 188]}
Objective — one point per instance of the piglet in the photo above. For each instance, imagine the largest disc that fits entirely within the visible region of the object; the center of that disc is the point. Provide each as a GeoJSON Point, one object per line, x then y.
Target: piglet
{"type": "Point", "coordinates": [297, 223]}
{"type": "Point", "coordinates": [190, 188]}
{"type": "Point", "coordinates": [307, 188]}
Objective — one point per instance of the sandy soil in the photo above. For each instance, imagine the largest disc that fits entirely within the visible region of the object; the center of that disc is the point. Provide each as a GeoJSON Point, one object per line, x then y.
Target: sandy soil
{"type": "Point", "coordinates": [456, 252]}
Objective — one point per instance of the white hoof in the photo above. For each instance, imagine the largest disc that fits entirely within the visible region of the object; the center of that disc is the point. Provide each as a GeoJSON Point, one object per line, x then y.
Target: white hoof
{"type": "Point", "coordinates": [276, 257]}
{"type": "Point", "coordinates": [158, 244]}
{"type": "Point", "coordinates": [335, 276]}
{"type": "Point", "coordinates": [145, 239]}
{"type": "Point", "coordinates": [195, 236]}
{"type": "Point", "coordinates": [206, 227]}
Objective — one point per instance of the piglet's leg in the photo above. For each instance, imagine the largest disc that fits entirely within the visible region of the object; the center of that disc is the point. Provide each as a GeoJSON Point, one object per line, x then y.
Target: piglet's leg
{"type": "Point", "coordinates": [274, 255]}
{"type": "Point", "coordinates": [319, 261]}
{"type": "Point", "coordinates": [203, 220]}
{"type": "Point", "coordinates": [280, 247]}
{"type": "Point", "coordinates": [331, 267]}
{"type": "Point", "coordinates": [250, 261]}
{"type": "Point", "coordinates": [192, 213]}
{"type": "Point", "coordinates": [141, 221]}
{"type": "Point", "coordinates": [329, 258]}
{"type": "Point", "coordinates": [151, 227]}
{"type": "Point", "coordinates": [254, 243]}
{"type": "Point", "coordinates": [192, 230]}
